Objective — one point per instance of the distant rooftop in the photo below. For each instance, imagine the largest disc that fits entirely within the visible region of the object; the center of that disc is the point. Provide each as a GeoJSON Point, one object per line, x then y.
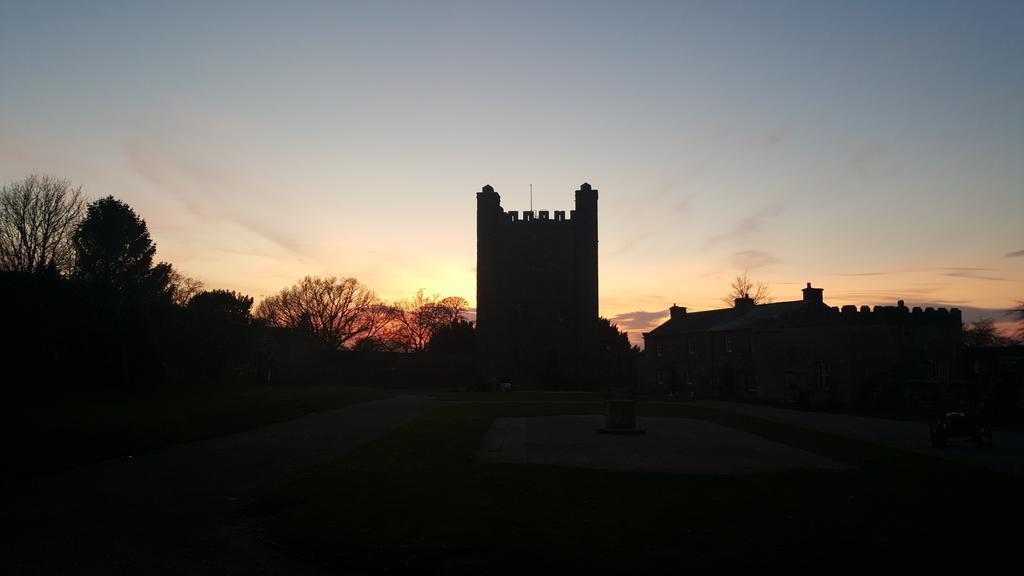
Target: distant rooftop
{"type": "Point", "coordinates": [726, 318]}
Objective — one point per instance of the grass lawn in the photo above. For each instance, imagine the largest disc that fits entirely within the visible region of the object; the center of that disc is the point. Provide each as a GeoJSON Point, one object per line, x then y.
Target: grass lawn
{"type": "Point", "coordinates": [54, 436]}
{"type": "Point", "coordinates": [416, 501]}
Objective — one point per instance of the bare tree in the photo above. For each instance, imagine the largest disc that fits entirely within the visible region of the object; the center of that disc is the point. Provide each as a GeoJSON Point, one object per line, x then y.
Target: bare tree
{"type": "Point", "coordinates": [743, 286]}
{"type": "Point", "coordinates": [450, 310]}
{"type": "Point", "coordinates": [419, 318]}
{"type": "Point", "coordinates": [183, 288]}
{"type": "Point", "coordinates": [983, 333]}
{"type": "Point", "coordinates": [1018, 315]}
{"type": "Point", "coordinates": [380, 318]}
{"type": "Point", "coordinates": [337, 311]}
{"type": "Point", "coordinates": [38, 216]}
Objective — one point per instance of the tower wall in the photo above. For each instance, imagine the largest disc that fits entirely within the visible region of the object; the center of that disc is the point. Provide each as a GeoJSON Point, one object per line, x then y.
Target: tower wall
{"type": "Point", "coordinates": [536, 293]}
{"type": "Point", "coordinates": [488, 217]}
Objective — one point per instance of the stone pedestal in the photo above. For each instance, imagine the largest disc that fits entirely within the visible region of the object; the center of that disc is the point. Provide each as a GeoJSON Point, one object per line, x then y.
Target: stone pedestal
{"type": "Point", "coordinates": [620, 418]}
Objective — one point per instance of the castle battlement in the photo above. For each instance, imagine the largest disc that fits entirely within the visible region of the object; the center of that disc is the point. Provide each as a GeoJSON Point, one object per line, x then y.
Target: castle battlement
{"type": "Point", "coordinates": [899, 313]}
{"type": "Point", "coordinates": [528, 216]}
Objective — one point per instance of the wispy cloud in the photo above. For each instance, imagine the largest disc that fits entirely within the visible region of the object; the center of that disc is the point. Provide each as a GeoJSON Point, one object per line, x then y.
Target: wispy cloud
{"type": "Point", "coordinates": [628, 246]}
{"type": "Point", "coordinates": [1015, 254]}
{"type": "Point", "coordinates": [867, 273]}
{"type": "Point", "coordinates": [752, 260]}
{"type": "Point", "coordinates": [747, 226]}
{"type": "Point", "coordinates": [639, 320]}
{"type": "Point", "coordinates": [682, 206]}
{"type": "Point", "coordinates": [974, 274]}
{"type": "Point", "coordinates": [772, 138]}
{"type": "Point", "coordinates": [953, 272]}
{"type": "Point", "coordinates": [657, 198]}
{"type": "Point", "coordinates": [873, 159]}
{"type": "Point", "coordinates": [189, 180]}
{"type": "Point", "coordinates": [271, 232]}
{"type": "Point", "coordinates": [662, 199]}
{"type": "Point", "coordinates": [881, 297]}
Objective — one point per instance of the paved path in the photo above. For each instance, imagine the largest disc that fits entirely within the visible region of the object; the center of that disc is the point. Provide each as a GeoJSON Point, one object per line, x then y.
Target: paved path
{"type": "Point", "coordinates": [1006, 454]}
{"type": "Point", "coordinates": [177, 510]}
{"type": "Point", "coordinates": [671, 445]}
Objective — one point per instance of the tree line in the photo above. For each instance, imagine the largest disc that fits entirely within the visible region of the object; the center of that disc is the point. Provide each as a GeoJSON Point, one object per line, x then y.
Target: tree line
{"type": "Point", "coordinates": [343, 313]}
{"type": "Point", "coordinates": [96, 309]}
{"type": "Point", "coordinates": [46, 227]}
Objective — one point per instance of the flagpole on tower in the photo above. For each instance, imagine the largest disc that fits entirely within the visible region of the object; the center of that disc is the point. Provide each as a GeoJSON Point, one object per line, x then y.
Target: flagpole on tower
{"type": "Point", "coordinates": [531, 197]}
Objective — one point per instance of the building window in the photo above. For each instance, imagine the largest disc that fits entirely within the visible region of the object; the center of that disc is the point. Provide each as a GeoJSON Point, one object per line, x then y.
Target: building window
{"type": "Point", "coordinates": [657, 351]}
{"type": "Point", "coordinates": [823, 382]}
{"type": "Point", "coordinates": [728, 343]}
{"type": "Point", "coordinates": [689, 345]}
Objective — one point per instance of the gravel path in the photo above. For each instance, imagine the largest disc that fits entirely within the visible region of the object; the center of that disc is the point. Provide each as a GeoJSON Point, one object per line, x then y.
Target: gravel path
{"type": "Point", "coordinates": [178, 510]}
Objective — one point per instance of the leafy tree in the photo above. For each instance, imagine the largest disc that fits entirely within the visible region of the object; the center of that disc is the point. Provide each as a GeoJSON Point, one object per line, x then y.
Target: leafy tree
{"type": "Point", "coordinates": [223, 305]}
{"type": "Point", "coordinates": [38, 215]}
{"type": "Point", "coordinates": [743, 286]}
{"type": "Point", "coordinates": [339, 312]}
{"type": "Point", "coordinates": [611, 339]}
{"type": "Point", "coordinates": [113, 247]}
{"type": "Point", "coordinates": [616, 357]}
{"type": "Point", "coordinates": [458, 337]}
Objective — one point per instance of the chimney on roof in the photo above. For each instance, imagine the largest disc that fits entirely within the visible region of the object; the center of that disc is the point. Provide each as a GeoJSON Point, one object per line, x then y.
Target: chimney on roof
{"type": "Point", "coordinates": [813, 295]}
{"type": "Point", "coordinates": [676, 312]}
{"type": "Point", "coordinates": [745, 302]}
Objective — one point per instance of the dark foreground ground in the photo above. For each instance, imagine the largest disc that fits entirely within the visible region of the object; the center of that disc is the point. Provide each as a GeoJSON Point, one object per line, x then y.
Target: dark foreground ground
{"type": "Point", "coordinates": [394, 486]}
{"type": "Point", "coordinates": [180, 509]}
{"type": "Point", "coordinates": [45, 436]}
{"type": "Point", "coordinates": [417, 501]}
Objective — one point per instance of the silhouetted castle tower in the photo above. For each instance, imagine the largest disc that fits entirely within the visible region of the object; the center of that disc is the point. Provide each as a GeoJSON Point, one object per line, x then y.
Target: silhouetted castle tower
{"type": "Point", "coordinates": [536, 291]}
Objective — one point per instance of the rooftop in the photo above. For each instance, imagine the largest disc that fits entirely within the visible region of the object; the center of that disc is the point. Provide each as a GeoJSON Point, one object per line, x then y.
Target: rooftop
{"type": "Point", "coordinates": [727, 318]}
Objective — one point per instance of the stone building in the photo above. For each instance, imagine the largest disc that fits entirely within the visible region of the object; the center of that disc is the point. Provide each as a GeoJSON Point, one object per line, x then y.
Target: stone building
{"type": "Point", "coordinates": [536, 293]}
{"type": "Point", "coordinates": [805, 352]}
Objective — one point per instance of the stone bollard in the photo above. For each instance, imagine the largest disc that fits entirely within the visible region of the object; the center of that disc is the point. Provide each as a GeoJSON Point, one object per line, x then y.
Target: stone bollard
{"type": "Point", "coordinates": [620, 418]}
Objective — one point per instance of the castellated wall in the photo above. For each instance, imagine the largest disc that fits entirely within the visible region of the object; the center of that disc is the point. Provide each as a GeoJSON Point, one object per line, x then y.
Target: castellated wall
{"type": "Point", "coordinates": [536, 293]}
{"type": "Point", "coordinates": [899, 314]}
{"type": "Point", "coordinates": [810, 354]}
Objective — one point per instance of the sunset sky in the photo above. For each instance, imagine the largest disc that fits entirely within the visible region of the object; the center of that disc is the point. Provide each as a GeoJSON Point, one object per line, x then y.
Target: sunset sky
{"type": "Point", "coordinates": [875, 149]}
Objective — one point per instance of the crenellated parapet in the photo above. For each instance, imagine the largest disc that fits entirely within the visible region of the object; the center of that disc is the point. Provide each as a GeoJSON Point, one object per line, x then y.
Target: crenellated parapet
{"type": "Point", "coordinates": [541, 216]}
{"type": "Point", "coordinates": [899, 314]}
